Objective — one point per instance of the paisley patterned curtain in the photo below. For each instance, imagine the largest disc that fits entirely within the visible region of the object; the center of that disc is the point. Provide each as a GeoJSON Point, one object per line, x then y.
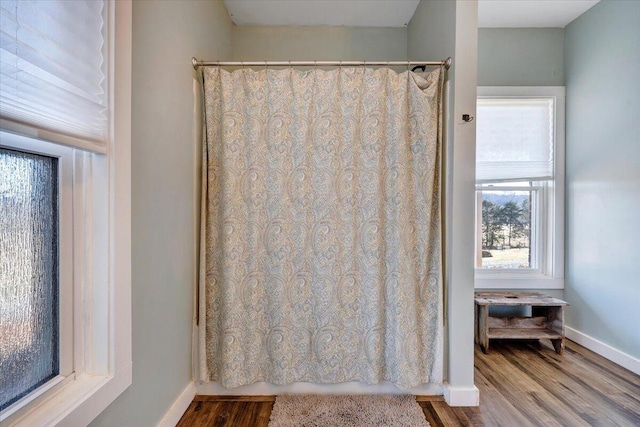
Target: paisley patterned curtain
{"type": "Point", "coordinates": [321, 230]}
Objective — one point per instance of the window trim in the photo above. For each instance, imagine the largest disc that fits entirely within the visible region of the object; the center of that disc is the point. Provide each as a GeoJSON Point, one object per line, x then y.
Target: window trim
{"type": "Point", "coordinates": [551, 275]}
{"type": "Point", "coordinates": [102, 350]}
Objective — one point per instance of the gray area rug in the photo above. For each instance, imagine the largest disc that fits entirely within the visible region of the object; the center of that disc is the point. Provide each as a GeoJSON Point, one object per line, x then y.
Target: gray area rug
{"type": "Point", "coordinates": [312, 410]}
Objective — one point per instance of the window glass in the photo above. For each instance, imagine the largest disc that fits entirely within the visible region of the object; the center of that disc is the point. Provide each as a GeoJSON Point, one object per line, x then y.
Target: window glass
{"type": "Point", "coordinates": [507, 226]}
{"type": "Point", "coordinates": [28, 273]}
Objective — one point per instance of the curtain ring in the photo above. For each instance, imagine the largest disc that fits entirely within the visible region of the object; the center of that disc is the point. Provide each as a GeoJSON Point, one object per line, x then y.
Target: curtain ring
{"type": "Point", "coordinates": [242, 64]}
{"type": "Point", "coordinates": [315, 65]}
{"type": "Point", "coordinates": [266, 65]}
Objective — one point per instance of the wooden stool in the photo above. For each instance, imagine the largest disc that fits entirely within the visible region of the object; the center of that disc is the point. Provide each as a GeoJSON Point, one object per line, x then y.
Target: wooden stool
{"type": "Point", "coordinates": [546, 321]}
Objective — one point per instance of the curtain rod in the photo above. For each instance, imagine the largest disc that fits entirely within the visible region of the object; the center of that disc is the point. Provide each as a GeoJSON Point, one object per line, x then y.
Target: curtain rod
{"type": "Point", "coordinates": [196, 63]}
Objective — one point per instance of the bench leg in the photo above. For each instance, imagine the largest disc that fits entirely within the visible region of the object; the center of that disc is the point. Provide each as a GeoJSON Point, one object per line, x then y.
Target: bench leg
{"type": "Point", "coordinates": [483, 328]}
{"type": "Point", "coordinates": [558, 344]}
{"type": "Point", "coordinates": [555, 322]}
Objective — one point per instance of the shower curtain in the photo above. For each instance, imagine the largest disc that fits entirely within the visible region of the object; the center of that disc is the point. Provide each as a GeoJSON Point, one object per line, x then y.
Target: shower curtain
{"type": "Point", "coordinates": [321, 229]}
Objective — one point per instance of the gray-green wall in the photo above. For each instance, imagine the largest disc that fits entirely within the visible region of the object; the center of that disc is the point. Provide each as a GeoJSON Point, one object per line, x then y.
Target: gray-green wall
{"type": "Point", "coordinates": [435, 20]}
{"type": "Point", "coordinates": [602, 72]}
{"type": "Point", "coordinates": [166, 34]}
{"type": "Point", "coordinates": [257, 43]}
{"type": "Point", "coordinates": [520, 57]}
{"type": "Point", "coordinates": [437, 30]}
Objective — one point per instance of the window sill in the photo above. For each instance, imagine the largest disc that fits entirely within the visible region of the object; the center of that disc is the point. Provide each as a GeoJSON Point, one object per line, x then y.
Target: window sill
{"type": "Point", "coordinates": [501, 282]}
{"type": "Point", "coordinates": [79, 402]}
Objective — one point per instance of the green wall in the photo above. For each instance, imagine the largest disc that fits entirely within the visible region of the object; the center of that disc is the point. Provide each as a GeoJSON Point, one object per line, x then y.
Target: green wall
{"type": "Point", "coordinates": [602, 72]}
{"type": "Point", "coordinates": [257, 43]}
{"type": "Point", "coordinates": [520, 57]}
{"type": "Point", "coordinates": [440, 29]}
{"type": "Point", "coordinates": [166, 34]}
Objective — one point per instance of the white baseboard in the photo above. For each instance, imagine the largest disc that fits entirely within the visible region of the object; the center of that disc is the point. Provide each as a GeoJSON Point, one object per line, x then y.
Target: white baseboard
{"type": "Point", "coordinates": [353, 387]}
{"type": "Point", "coordinates": [461, 396]}
{"type": "Point", "coordinates": [179, 407]}
{"type": "Point", "coordinates": [605, 350]}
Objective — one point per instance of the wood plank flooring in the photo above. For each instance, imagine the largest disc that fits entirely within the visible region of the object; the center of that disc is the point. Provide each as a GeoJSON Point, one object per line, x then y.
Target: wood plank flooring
{"type": "Point", "coordinates": [522, 384]}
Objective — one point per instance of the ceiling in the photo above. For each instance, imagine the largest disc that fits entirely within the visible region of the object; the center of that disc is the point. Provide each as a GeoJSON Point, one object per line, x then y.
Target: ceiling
{"type": "Point", "coordinates": [530, 13]}
{"type": "Point", "coordinates": [398, 13]}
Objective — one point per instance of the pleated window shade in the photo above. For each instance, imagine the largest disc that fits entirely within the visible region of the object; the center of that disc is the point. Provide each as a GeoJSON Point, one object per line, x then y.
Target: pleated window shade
{"type": "Point", "coordinates": [52, 72]}
{"type": "Point", "coordinates": [514, 139]}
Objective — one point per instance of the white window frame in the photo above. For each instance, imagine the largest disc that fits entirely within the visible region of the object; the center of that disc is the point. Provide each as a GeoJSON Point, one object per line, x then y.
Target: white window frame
{"type": "Point", "coordinates": [64, 182]}
{"type": "Point", "coordinates": [98, 307]}
{"type": "Point", "coordinates": [549, 273]}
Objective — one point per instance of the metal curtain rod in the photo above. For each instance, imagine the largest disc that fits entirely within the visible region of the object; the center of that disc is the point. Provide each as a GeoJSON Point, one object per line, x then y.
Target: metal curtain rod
{"type": "Point", "coordinates": [196, 63]}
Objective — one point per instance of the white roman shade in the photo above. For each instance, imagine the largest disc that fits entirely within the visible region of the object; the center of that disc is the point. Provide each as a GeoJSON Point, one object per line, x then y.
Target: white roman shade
{"type": "Point", "coordinates": [52, 79]}
{"type": "Point", "coordinates": [514, 139]}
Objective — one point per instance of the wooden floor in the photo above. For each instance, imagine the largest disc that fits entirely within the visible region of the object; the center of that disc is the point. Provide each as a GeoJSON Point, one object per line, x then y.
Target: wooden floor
{"type": "Point", "coordinates": [521, 384]}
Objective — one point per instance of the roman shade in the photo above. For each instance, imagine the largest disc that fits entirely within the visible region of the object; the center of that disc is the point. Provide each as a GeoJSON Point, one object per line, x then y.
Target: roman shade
{"type": "Point", "coordinates": [514, 139]}
{"type": "Point", "coordinates": [52, 73]}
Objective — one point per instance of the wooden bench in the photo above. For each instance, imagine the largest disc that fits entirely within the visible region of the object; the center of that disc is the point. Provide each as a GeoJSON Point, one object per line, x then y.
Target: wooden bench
{"type": "Point", "coordinates": [546, 320]}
